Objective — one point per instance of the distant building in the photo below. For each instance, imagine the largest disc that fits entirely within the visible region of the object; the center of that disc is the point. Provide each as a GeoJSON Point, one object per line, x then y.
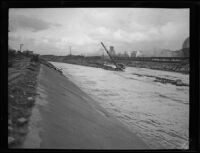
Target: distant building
{"type": "Point", "coordinates": [139, 54]}
{"type": "Point", "coordinates": [186, 47]}
{"type": "Point", "coordinates": [133, 53]}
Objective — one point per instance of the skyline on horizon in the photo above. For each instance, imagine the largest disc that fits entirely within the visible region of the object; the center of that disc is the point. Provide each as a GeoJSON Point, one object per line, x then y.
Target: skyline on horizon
{"type": "Point", "coordinates": [53, 31]}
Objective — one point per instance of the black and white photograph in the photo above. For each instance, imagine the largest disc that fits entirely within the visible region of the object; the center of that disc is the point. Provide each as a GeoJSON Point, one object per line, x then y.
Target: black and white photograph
{"type": "Point", "coordinates": [98, 78]}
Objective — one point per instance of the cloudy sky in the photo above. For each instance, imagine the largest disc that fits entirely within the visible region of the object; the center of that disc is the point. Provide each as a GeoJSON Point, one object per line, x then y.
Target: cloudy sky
{"type": "Point", "coordinates": [52, 31]}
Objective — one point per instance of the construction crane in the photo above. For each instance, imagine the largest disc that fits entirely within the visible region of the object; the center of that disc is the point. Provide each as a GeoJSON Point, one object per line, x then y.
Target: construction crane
{"type": "Point", "coordinates": [119, 67]}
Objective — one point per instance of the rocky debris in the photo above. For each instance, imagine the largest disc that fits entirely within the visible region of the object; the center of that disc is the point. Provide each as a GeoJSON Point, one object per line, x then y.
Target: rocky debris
{"type": "Point", "coordinates": [11, 140]}
{"type": "Point", "coordinates": [176, 67]}
{"type": "Point", "coordinates": [179, 83]}
{"type": "Point", "coordinates": [182, 69]}
{"type": "Point", "coordinates": [175, 82]}
{"type": "Point", "coordinates": [22, 121]}
{"type": "Point", "coordinates": [29, 85]}
{"type": "Point", "coordinates": [59, 70]}
{"type": "Point", "coordinates": [21, 93]}
{"type": "Point", "coordinates": [30, 98]}
{"type": "Point", "coordinates": [51, 66]}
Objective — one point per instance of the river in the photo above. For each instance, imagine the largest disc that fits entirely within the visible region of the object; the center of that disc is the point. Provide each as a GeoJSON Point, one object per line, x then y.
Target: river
{"type": "Point", "coordinates": [157, 112]}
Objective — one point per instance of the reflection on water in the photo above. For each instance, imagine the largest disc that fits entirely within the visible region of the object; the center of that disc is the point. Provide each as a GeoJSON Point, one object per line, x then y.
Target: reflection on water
{"type": "Point", "coordinates": [158, 113]}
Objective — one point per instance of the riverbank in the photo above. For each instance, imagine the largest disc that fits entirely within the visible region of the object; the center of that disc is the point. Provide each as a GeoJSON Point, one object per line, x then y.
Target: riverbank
{"type": "Point", "coordinates": [180, 67]}
{"type": "Point", "coordinates": [66, 117]}
{"type": "Point", "coordinates": [172, 67]}
{"type": "Point", "coordinates": [22, 82]}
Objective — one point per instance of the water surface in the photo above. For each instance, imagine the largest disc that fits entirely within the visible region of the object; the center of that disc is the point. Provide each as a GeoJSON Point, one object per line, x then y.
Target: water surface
{"type": "Point", "coordinates": [157, 112]}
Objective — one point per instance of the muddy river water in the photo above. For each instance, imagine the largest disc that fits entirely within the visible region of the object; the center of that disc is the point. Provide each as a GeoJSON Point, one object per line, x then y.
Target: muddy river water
{"type": "Point", "coordinates": [158, 112]}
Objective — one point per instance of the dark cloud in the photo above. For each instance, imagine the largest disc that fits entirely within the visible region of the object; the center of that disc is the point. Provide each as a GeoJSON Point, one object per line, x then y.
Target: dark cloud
{"type": "Point", "coordinates": [30, 23]}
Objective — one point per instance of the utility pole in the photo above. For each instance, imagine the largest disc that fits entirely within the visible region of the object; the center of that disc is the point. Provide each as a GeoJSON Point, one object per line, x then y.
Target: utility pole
{"type": "Point", "coordinates": [21, 47]}
{"type": "Point", "coordinates": [70, 50]}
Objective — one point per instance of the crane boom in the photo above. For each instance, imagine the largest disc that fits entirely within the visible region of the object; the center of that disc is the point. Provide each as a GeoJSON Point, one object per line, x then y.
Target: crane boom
{"type": "Point", "coordinates": [109, 54]}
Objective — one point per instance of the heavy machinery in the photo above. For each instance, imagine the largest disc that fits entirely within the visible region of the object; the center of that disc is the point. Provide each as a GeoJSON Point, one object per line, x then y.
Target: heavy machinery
{"type": "Point", "coordinates": [119, 66]}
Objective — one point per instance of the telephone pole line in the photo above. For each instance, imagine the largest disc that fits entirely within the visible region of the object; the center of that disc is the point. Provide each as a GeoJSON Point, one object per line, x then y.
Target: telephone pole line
{"type": "Point", "coordinates": [21, 47]}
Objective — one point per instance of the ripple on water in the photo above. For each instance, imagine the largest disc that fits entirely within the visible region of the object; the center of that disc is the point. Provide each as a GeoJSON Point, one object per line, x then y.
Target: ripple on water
{"type": "Point", "coordinates": [158, 113]}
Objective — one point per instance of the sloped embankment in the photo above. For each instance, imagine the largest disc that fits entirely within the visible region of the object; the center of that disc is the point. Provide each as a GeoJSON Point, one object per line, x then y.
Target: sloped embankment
{"type": "Point", "coordinates": [22, 82]}
{"type": "Point", "coordinates": [69, 119]}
